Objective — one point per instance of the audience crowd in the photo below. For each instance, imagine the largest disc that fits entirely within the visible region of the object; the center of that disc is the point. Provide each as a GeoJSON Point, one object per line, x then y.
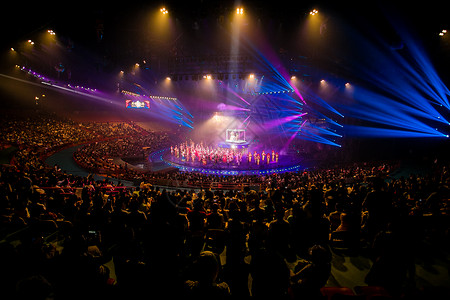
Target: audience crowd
{"type": "Point", "coordinates": [72, 237]}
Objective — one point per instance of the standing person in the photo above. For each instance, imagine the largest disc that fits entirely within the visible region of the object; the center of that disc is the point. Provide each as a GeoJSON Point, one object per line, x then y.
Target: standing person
{"type": "Point", "coordinates": [378, 204]}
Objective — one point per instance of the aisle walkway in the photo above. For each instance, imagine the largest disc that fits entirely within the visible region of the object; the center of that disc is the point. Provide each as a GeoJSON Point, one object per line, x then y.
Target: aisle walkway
{"type": "Point", "coordinates": [64, 160]}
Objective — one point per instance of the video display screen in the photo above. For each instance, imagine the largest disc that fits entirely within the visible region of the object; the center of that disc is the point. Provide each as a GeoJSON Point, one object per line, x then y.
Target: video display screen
{"type": "Point", "coordinates": [137, 104]}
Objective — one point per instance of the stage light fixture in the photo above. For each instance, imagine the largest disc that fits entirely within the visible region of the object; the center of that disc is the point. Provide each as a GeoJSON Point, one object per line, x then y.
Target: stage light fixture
{"type": "Point", "coordinates": [313, 12]}
{"type": "Point", "coordinates": [252, 76]}
{"type": "Point", "coordinates": [240, 11]}
{"type": "Point", "coordinates": [164, 11]}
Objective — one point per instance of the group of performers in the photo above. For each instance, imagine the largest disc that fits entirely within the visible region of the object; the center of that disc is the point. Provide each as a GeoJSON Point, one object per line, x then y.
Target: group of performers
{"type": "Point", "coordinates": [197, 152]}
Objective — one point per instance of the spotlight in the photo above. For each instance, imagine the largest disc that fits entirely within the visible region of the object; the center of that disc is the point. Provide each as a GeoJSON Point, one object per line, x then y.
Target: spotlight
{"type": "Point", "coordinates": [443, 32]}
{"type": "Point", "coordinates": [164, 11]}
{"type": "Point", "coordinates": [51, 32]}
{"type": "Point", "coordinates": [252, 76]}
{"type": "Point", "coordinates": [313, 12]}
{"type": "Point", "coordinates": [240, 11]}
{"type": "Point", "coordinates": [168, 78]}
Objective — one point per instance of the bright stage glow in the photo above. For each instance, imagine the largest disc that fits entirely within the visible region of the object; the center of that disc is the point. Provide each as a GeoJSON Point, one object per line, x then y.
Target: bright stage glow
{"type": "Point", "coordinates": [313, 12]}
{"type": "Point", "coordinates": [217, 117]}
{"type": "Point", "coordinates": [240, 11]}
{"type": "Point", "coordinates": [164, 11]}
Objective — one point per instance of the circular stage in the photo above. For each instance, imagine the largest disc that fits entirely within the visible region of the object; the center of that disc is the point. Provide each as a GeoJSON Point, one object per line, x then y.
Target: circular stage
{"type": "Point", "coordinates": [284, 163]}
{"type": "Point", "coordinates": [234, 145]}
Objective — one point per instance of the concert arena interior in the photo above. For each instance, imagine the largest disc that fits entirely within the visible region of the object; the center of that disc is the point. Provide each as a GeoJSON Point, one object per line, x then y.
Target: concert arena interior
{"type": "Point", "coordinates": [225, 150]}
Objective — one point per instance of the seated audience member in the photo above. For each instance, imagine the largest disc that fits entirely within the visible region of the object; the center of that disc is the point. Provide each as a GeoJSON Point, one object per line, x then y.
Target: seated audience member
{"type": "Point", "coordinates": [204, 283]}
{"type": "Point", "coordinates": [270, 275]}
{"type": "Point", "coordinates": [279, 233]}
{"type": "Point", "coordinates": [335, 217]}
{"type": "Point", "coordinates": [309, 278]}
{"type": "Point", "coordinates": [393, 265]}
{"type": "Point", "coordinates": [197, 216]}
{"type": "Point", "coordinates": [34, 287]}
{"type": "Point", "coordinates": [215, 220]}
{"type": "Point", "coordinates": [378, 203]}
{"type": "Point", "coordinates": [348, 222]}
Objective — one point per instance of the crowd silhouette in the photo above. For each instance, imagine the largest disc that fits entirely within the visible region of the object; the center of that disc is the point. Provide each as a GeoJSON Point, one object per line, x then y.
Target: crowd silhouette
{"type": "Point", "coordinates": [64, 236]}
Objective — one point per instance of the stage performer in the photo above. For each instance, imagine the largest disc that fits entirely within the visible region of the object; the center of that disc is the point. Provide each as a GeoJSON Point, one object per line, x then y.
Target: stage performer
{"type": "Point", "coordinates": [273, 155]}
{"type": "Point", "coordinates": [268, 158]}
{"type": "Point", "coordinates": [249, 157]}
{"type": "Point", "coordinates": [263, 156]}
{"type": "Point", "coordinates": [276, 157]}
{"type": "Point", "coordinates": [216, 158]}
{"type": "Point", "coordinates": [257, 159]}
